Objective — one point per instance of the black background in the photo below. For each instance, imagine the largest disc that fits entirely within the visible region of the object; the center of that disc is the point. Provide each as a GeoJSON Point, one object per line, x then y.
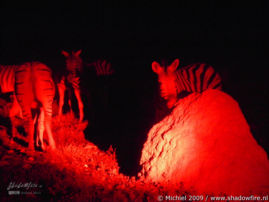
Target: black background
{"type": "Point", "coordinates": [232, 37]}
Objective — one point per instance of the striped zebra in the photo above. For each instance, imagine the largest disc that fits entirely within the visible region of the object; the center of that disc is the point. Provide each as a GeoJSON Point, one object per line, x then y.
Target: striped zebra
{"type": "Point", "coordinates": [102, 67]}
{"type": "Point", "coordinates": [71, 77]}
{"type": "Point", "coordinates": [33, 88]}
{"type": "Point", "coordinates": [7, 82]}
{"type": "Point", "coordinates": [192, 78]}
{"type": "Point", "coordinates": [103, 71]}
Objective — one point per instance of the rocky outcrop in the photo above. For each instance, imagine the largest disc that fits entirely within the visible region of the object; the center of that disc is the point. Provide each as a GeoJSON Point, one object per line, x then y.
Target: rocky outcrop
{"type": "Point", "coordinates": [206, 144]}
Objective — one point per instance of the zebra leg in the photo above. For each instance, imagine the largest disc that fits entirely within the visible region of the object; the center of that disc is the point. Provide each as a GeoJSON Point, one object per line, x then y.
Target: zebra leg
{"type": "Point", "coordinates": [46, 115]}
{"type": "Point", "coordinates": [69, 101]}
{"type": "Point", "coordinates": [61, 90]}
{"type": "Point", "coordinates": [48, 130]}
{"type": "Point", "coordinates": [80, 104]}
{"type": "Point", "coordinates": [25, 96]}
{"type": "Point", "coordinates": [15, 108]}
{"type": "Point", "coordinates": [44, 89]}
{"type": "Point", "coordinates": [30, 128]}
{"type": "Point", "coordinates": [13, 111]}
{"type": "Point", "coordinates": [37, 137]}
{"type": "Point", "coordinates": [70, 104]}
{"type": "Point", "coordinates": [40, 132]}
{"type": "Point", "coordinates": [13, 131]}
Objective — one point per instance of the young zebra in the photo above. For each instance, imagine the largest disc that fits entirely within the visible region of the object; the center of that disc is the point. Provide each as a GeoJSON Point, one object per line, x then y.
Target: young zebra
{"type": "Point", "coordinates": [192, 78]}
{"type": "Point", "coordinates": [34, 88]}
{"type": "Point", "coordinates": [71, 77]}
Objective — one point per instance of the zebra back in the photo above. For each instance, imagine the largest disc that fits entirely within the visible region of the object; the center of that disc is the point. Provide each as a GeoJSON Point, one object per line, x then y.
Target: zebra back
{"type": "Point", "coordinates": [33, 87]}
{"type": "Point", "coordinates": [197, 78]}
{"type": "Point", "coordinates": [33, 82]}
{"type": "Point", "coordinates": [177, 83]}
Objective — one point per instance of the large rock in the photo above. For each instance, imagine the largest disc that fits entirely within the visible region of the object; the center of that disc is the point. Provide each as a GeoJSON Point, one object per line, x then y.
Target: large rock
{"type": "Point", "coordinates": [206, 144]}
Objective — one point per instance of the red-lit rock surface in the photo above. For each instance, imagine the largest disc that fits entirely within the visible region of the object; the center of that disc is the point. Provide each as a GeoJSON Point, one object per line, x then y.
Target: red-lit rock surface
{"type": "Point", "coordinates": [206, 144]}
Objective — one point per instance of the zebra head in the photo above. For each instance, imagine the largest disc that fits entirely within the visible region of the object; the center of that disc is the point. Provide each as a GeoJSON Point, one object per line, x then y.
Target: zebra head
{"type": "Point", "coordinates": [73, 61]}
{"type": "Point", "coordinates": [167, 80]}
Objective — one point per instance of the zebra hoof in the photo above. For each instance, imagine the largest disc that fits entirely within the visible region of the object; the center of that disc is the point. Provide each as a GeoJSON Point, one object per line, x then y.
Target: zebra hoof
{"type": "Point", "coordinates": [43, 148]}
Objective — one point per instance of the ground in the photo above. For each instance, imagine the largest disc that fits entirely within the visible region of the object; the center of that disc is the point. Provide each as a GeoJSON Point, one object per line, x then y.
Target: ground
{"type": "Point", "coordinates": [77, 170]}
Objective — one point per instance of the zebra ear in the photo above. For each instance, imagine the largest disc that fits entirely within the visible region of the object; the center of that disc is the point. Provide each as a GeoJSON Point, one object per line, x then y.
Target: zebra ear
{"type": "Point", "coordinates": [156, 67]}
{"type": "Point", "coordinates": [173, 66]}
{"type": "Point", "coordinates": [66, 54]}
{"type": "Point", "coordinates": [77, 53]}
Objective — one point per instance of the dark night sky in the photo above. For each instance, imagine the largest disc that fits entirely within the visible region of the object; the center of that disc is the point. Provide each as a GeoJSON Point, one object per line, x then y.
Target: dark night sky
{"type": "Point", "coordinates": [232, 37]}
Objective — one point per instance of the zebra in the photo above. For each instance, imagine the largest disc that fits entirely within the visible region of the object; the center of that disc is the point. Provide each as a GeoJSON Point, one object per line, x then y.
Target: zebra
{"type": "Point", "coordinates": [33, 88]}
{"type": "Point", "coordinates": [7, 82]}
{"type": "Point", "coordinates": [192, 78]}
{"type": "Point", "coordinates": [73, 67]}
{"type": "Point", "coordinates": [102, 67]}
{"type": "Point", "coordinates": [103, 72]}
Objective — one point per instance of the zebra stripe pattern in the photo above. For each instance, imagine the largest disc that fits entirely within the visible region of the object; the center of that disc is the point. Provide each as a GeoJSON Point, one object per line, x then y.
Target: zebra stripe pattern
{"type": "Point", "coordinates": [7, 83]}
{"type": "Point", "coordinates": [192, 78]}
{"type": "Point", "coordinates": [197, 78]}
{"type": "Point", "coordinates": [34, 88]}
{"type": "Point", "coordinates": [7, 78]}
{"type": "Point", "coordinates": [102, 68]}
{"type": "Point", "coordinates": [73, 67]}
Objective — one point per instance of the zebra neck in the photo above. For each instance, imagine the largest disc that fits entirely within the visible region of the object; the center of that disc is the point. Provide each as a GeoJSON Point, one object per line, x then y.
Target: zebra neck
{"type": "Point", "coordinates": [182, 82]}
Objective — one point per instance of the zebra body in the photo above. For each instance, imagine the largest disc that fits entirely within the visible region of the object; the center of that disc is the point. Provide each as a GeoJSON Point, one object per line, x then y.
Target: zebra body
{"type": "Point", "coordinates": [192, 78]}
{"type": "Point", "coordinates": [73, 67]}
{"type": "Point", "coordinates": [33, 87]}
